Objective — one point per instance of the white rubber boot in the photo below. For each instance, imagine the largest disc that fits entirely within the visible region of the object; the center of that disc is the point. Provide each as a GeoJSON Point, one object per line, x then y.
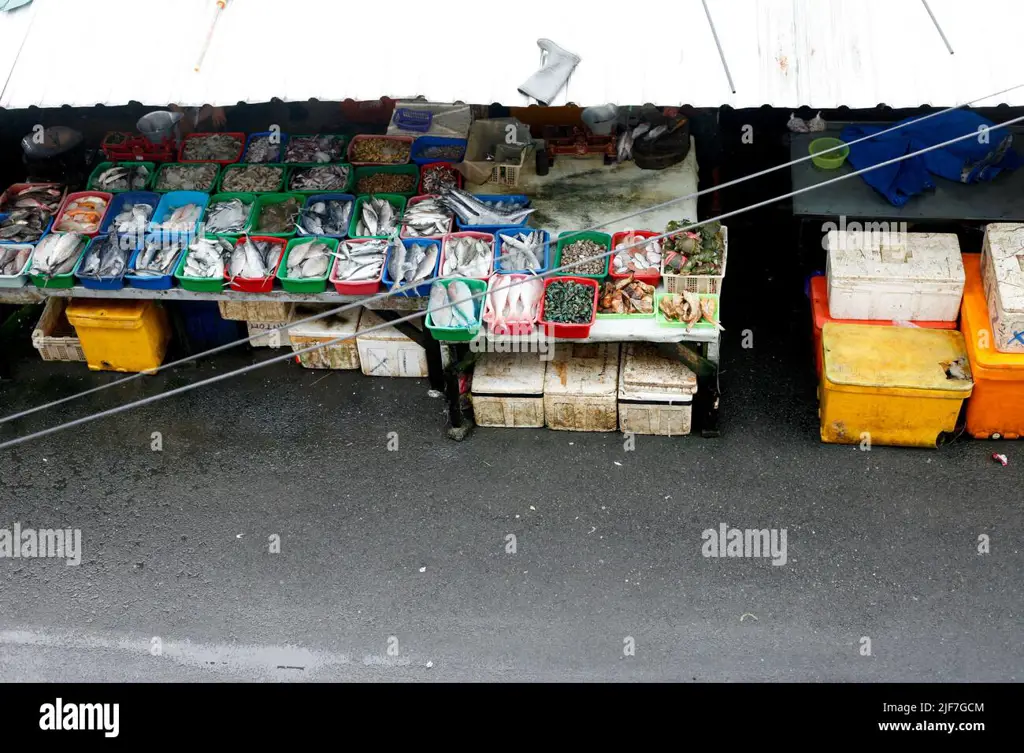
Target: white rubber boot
{"type": "Point", "coordinates": [557, 64]}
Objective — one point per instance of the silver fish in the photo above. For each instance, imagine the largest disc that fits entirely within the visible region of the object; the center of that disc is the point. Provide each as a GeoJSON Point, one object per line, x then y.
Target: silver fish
{"type": "Point", "coordinates": [522, 251]}
{"type": "Point", "coordinates": [329, 217]}
{"type": "Point", "coordinates": [473, 211]}
{"type": "Point", "coordinates": [133, 218]}
{"type": "Point", "coordinates": [377, 218]}
{"type": "Point", "coordinates": [229, 216]}
{"type": "Point", "coordinates": [308, 260]}
{"type": "Point", "coordinates": [467, 257]}
{"type": "Point", "coordinates": [207, 257]}
{"type": "Point", "coordinates": [13, 259]}
{"type": "Point", "coordinates": [106, 258]}
{"type": "Point", "coordinates": [122, 178]}
{"type": "Point", "coordinates": [413, 263]}
{"type": "Point", "coordinates": [182, 219]}
{"type": "Point", "coordinates": [57, 253]}
{"type": "Point", "coordinates": [254, 259]}
{"type": "Point", "coordinates": [428, 218]}
{"type": "Point", "coordinates": [157, 257]}
{"type": "Point", "coordinates": [360, 261]}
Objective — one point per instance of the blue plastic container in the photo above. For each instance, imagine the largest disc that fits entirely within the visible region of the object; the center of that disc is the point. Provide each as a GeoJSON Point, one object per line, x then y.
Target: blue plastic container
{"type": "Point", "coordinates": [204, 326]}
{"type": "Point", "coordinates": [46, 231]}
{"type": "Point", "coordinates": [102, 283]}
{"type": "Point", "coordinates": [127, 197]}
{"type": "Point", "coordinates": [422, 289]}
{"type": "Point", "coordinates": [331, 197]}
{"type": "Point", "coordinates": [151, 282]}
{"type": "Point", "coordinates": [171, 201]}
{"type": "Point", "coordinates": [424, 142]}
{"type": "Point", "coordinates": [517, 198]}
{"type": "Point", "coordinates": [498, 241]}
{"type": "Point", "coordinates": [409, 119]}
{"type": "Point", "coordinates": [280, 146]}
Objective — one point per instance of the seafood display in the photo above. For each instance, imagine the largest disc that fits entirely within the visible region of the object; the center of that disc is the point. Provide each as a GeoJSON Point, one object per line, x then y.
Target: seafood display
{"type": "Point", "coordinates": [360, 262]}
{"type": "Point", "coordinates": [106, 257]}
{"type": "Point", "coordinates": [511, 302]}
{"type": "Point", "coordinates": [583, 249]}
{"type": "Point", "coordinates": [446, 152]}
{"type": "Point", "coordinates": [387, 183]}
{"type": "Point", "coordinates": [377, 217]}
{"type": "Point", "coordinates": [413, 263]}
{"type": "Point", "coordinates": [381, 150]}
{"type": "Point", "coordinates": [694, 252]}
{"type": "Point", "coordinates": [626, 296]}
{"type": "Point", "coordinates": [252, 178]}
{"type": "Point", "coordinates": [329, 217]}
{"type": "Point", "coordinates": [451, 304]}
{"type": "Point", "coordinates": [230, 216]}
{"type": "Point", "coordinates": [308, 260]}
{"type": "Point", "coordinates": [320, 148]}
{"type": "Point", "coordinates": [522, 251]}
{"type": "Point", "coordinates": [467, 257]}
{"type": "Point", "coordinates": [474, 211]}
{"type": "Point", "coordinates": [133, 218]}
{"type": "Point", "coordinates": [157, 257]}
{"type": "Point", "coordinates": [212, 147]}
{"type": "Point", "coordinates": [568, 302]}
{"type": "Point", "coordinates": [634, 254]}
{"type": "Point", "coordinates": [207, 257]}
{"type": "Point", "coordinates": [177, 177]}
{"type": "Point", "coordinates": [122, 178]}
{"type": "Point", "coordinates": [428, 218]}
{"type": "Point", "coordinates": [30, 210]}
{"type": "Point", "coordinates": [57, 254]}
{"type": "Point", "coordinates": [82, 215]}
{"type": "Point", "coordinates": [436, 178]}
{"type": "Point", "coordinates": [182, 219]}
{"type": "Point", "coordinates": [325, 178]}
{"type": "Point", "coordinates": [689, 308]}
{"type": "Point", "coordinates": [13, 259]}
{"type": "Point", "coordinates": [254, 259]}
{"type": "Point", "coordinates": [278, 217]}
{"type": "Point", "coordinates": [263, 149]}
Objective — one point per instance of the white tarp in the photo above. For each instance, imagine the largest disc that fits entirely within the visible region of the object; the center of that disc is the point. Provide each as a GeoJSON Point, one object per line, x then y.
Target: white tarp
{"type": "Point", "coordinates": [784, 53]}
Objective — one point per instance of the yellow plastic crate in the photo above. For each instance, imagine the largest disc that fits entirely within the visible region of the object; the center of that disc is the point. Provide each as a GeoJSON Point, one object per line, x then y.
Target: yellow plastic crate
{"type": "Point", "coordinates": [121, 335]}
{"type": "Point", "coordinates": [891, 385]}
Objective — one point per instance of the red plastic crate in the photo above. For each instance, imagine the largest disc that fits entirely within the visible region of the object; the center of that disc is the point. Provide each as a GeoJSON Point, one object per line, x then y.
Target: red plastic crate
{"type": "Point", "coordinates": [519, 328]}
{"type": "Point", "coordinates": [435, 165]}
{"type": "Point", "coordinates": [257, 284]}
{"type": "Point", "coordinates": [363, 287]}
{"type": "Point", "coordinates": [139, 148]}
{"type": "Point", "coordinates": [237, 158]}
{"type": "Point", "coordinates": [489, 237]}
{"type": "Point", "coordinates": [653, 277]}
{"type": "Point", "coordinates": [79, 195]}
{"type": "Point", "coordinates": [558, 329]}
{"type": "Point", "coordinates": [8, 194]}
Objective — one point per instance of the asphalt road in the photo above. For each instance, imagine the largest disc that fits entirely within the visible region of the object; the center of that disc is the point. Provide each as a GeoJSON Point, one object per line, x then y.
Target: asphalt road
{"type": "Point", "coordinates": [393, 565]}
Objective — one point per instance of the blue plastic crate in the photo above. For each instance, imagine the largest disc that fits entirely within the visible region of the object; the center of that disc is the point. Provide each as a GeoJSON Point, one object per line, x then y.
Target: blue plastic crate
{"type": "Point", "coordinates": [280, 146]}
{"type": "Point", "coordinates": [127, 197]}
{"type": "Point", "coordinates": [332, 197]}
{"type": "Point", "coordinates": [103, 283]}
{"type": "Point", "coordinates": [171, 201]}
{"type": "Point", "coordinates": [204, 326]}
{"type": "Point", "coordinates": [517, 198]}
{"type": "Point", "coordinates": [423, 142]}
{"type": "Point", "coordinates": [46, 231]}
{"type": "Point", "coordinates": [409, 119]}
{"type": "Point", "coordinates": [422, 289]}
{"type": "Point", "coordinates": [498, 241]}
{"type": "Point", "coordinates": [151, 282]}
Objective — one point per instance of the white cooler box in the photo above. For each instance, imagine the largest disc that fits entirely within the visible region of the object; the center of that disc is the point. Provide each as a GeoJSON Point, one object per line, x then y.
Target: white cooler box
{"type": "Point", "coordinates": [1002, 273]}
{"type": "Point", "coordinates": [340, 355]}
{"type": "Point", "coordinates": [655, 392]}
{"type": "Point", "coordinates": [916, 277]}
{"type": "Point", "coordinates": [581, 387]}
{"type": "Point", "coordinates": [508, 390]}
{"type": "Point", "coordinates": [387, 352]}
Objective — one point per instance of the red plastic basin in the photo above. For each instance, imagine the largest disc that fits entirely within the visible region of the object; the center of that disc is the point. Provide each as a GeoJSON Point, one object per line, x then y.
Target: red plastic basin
{"type": "Point", "coordinates": [257, 284]}
{"type": "Point", "coordinates": [558, 329]}
{"type": "Point", "coordinates": [363, 287]}
{"type": "Point", "coordinates": [652, 277]}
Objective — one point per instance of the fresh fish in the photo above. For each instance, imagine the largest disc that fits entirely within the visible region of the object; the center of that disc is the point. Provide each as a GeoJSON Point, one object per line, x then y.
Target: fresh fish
{"type": "Point", "coordinates": [211, 147]}
{"type": "Point", "coordinates": [157, 257]}
{"type": "Point", "coordinates": [522, 251]}
{"type": "Point", "coordinates": [326, 178]}
{"type": "Point", "coordinates": [57, 253]}
{"type": "Point", "coordinates": [207, 257]}
{"type": "Point", "coordinates": [13, 259]}
{"type": "Point", "coordinates": [412, 263]}
{"type": "Point", "coordinates": [82, 215]}
{"type": "Point", "coordinates": [252, 178]}
{"type": "Point", "coordinates": [464, 304]}
{"type": "Point", "coordinates": [182, 219]}
{"type": "Point", "coordinates": [229, 216]}
{"type": "Point", "coordinates": [262, 149]}
{"type": "Point", "coordinates": [308, 260]}
{"type": "Point", "coordinates": [428, 218]}
{"type": "Point", "coordinates": [441, 314]}
{"type": "Point", "coordinates": [467, 257]}
{"type": "Point", "coordinates": [436, 178]}
{"type": "Point", "coordinates": [320, 148]}
{"type": "Point", "coordinates": [277, 217]}
{"type": "Point", "coordinates": [360, 261]}
{"type": "Point", "coordinates": [254, 259]}
{"type": "Point", "coordinates": [107, 257]}
{"type": "Point", "coordinates": [452, 304]}
{"type": "Point", "coordinates": [122, 178]}
{"type": "Point", "coordinates": [329, 217]}
{"type": "Point", "coordinates": [133, 218]}
{"type": "Point", "coordinates": [473, 211]}
{"type": "Point", "coordinates": [377, 218]}
{"type": "Point", "coordinates": [178, 177]}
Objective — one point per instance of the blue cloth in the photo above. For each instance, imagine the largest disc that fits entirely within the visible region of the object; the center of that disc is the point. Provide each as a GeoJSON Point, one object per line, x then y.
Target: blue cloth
{"type": "Point", "coordinates": [967, 161]}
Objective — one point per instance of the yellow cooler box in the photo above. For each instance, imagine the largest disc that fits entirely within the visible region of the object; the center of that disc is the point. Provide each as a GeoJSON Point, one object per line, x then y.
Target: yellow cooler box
{"type": "Point", "coordinates": [121, 335]}
{"type": "Point", "coordinates": [891, 385]}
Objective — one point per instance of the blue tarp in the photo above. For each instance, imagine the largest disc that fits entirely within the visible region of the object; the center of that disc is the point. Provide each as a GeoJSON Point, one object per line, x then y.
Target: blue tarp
{"type": "Point", "coordinates": [967, 161]}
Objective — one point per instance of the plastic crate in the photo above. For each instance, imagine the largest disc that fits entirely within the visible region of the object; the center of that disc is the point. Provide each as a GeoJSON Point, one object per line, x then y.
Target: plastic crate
{"type": "Point", "coordinates": [427, 169]}
{"type": "Point", "coordinates": [54, 336]}
{"type": "Point", "coordinates": [396, 200]}
{"type": "Point", "coordinates": [518, 199]}
{"type": "Point", "coordinates": [217, 198]}
{"type": "Point", "coordinates": [172, 201]}
{"type": "Point", "coordinates": [137, 148]}
{"type": "Point", "coordinates": [151, 282]}
{"type": "Point", "coordinates": [295, 167]}
{"type": "Point", "coordinates": [311, 285]}
{"type": "Point", "coordinates": [281, 146]}
{"type": "Point", "coordinates": [498, 241]}
{"type": "Point", "coordinates": [572, 236]}
{"type": "Point", "coordinates": [520, 327]}
{"type": "Point", "coordinates": [193, 136]}
{"type": "Point", "coordinates": [362, 287]}
{"type": "Point", "coordinates": [423, 289]}
{"type": "Point", "coordinates": [651, 278]}
{"type": "Point", "coordinates": [416, 200]}
{"type": "Point", "coordinates": [702, 324]}
{"type": "Point", "coordinates": [204, 327]}
{"type": "Point", "coordinates": [425, 142]}
{"type": "Point", "coordinates": [127, 197]}
{"type": "Point", "coordinates": [460, 334]}
{"type": "Point", "coordinates": [19, 279]}
{"type": "Point", "coordinates": [412, 171]}
{"type": "Point", "coordinates": [560, 329]}
{"type": "Point", "coordinates": [70, 198]}
{"type": "Point", "coordinates": [229, 168]}
{"type": "Point", "coordinates": [397, 139]}
{"type": "Point", "coordinates": [210, 188]}
{"type": "Point", "coordinates": [8, 194]}
{"type": "Point", "coordinates": [196, 284]}
{"type": "Point", "coordinates": [332, 197]}
{"type": "Point", "coordinates": [257, 284]}
{"type": "Point", "coordinates": [101, 283]}
{"type": "Point", "coordinates": [409, 119]}
{"type": "Point", "coordinates": [66, 280]}
{"type": "Point", "coordinates": [264, 199]}
{"type": "Point", "coordinates": [489, 237]}
{"type": "Point", "coordinates": [103, 166]}
{"type": "Point", "coordinates": [294, 137]}
{"type": "Point", "coordinates": [697, 283]}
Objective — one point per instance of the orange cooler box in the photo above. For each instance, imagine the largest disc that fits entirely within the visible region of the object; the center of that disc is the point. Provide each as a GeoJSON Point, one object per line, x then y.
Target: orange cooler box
{"type": "Point", "coordinates": [996, 408]}
{"type": "Point", "coordinates": [118, 335]}
{"type": "Point", "coordinates": [819, 310]}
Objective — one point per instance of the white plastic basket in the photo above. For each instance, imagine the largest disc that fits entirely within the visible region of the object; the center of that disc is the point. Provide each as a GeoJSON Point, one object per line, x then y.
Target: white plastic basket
{"type": "Point", "coordinates": [698, 283]}
{"type": "Point", "coordinates": [53, 347]}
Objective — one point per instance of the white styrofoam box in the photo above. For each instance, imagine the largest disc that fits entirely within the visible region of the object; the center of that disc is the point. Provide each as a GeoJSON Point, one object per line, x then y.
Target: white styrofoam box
{"type": "Point", "coordinates": [508, 390]}
{"type": "Point", "coordinates": [655, 392]}
{"type": "Point", "coordinates": [271, 339]}
{"type": "Point", "coordinates": [581, 387]}
{"type": "Point", "coordinates": [901, 277]}
{"type": "Point", "coordinates": [340, 355]}
{"type": "Point", "coordinates": [1002, 274]}
{"type": "Point", "coordinates": [255, 311]}
{"type": "Point", "coordinates": [387, 352]}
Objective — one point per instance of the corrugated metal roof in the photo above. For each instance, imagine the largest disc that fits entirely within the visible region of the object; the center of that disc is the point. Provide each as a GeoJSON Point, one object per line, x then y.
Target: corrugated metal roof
{"type": "Point", "coordinates": [785, 53]}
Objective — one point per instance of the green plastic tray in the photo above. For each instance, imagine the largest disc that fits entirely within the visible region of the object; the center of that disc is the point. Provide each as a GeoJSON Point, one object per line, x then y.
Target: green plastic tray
{"type": "Point", "coordinates": [460, 334]}
{"type": "Point", "coordinates": [411, 170]}
{"type": "Point", "coordinates": [228, 168]}
{"type": "Point", "coordinates": [197, 284]}
{"type": "Point", "coordinates": [265, 199]}
{"type": "Point", "coordinates": [397, 200]}
{"type": "Point", "coordinates": [213, 186]}
{"type": "Point", "coordinates": [107, 165]}
{"type": "Point", "coordinates": [663, 322]}
{"type": "Point", "coordinates": [312, 285]}
{"type": "Point", "coordinates": [571, 236]}
{"type": "Point", "coordinates": [219, 197]}
{"type": "Point", "coordinates": [293, 166]}
{"type": "Point", "coordinates": [66, 280]}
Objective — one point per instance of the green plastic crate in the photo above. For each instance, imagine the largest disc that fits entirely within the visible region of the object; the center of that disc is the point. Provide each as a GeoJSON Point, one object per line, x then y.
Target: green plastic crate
{"type": "Point", "coordinates": [249, 198]}
{"type": "Point", "coordinates": [294, 166]}
{"type": "Point", "coordinates": [571, 236]}
{"type": "Point", "coordinates": [265, 199]}
{"type": "Point", "coordinates": [396, 200]}
{"type": "Point", "coordinates": [663, 322]}
{"type": "Point", "coordinates": [412, 171]}
{"type": "Point", "coordinates": [311, 285]}
{"type": "Point", "coordinates": [228, 168]}
{"type": "Point", "coordinates": [460, 334]}
{"type": "Point", "coordinates": [212, 187]}
{"type": "Point", "coordinates": [66, 280]}
{"type": "Point", "coordinates": [197, 284]}
{"type": "Point", "coordinates": [103, 166]}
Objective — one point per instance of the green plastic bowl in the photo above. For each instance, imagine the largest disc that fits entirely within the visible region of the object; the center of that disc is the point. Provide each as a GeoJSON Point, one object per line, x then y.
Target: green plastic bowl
{"type": "Point", "coordinates": [830, 160]}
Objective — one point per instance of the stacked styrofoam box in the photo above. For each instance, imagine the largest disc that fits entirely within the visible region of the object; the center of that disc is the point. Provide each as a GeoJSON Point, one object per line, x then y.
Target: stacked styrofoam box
{"type": "Point", "coordinates": [508, 390]}
{"type": "Point", "coordinates": [1002, 274]}
{"type": "Point", "coordinates": [655, 392]}
{"type": "Point", "coordinates": [388, 352]}
{"type": "Point", "coordinates": [581, 388]}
